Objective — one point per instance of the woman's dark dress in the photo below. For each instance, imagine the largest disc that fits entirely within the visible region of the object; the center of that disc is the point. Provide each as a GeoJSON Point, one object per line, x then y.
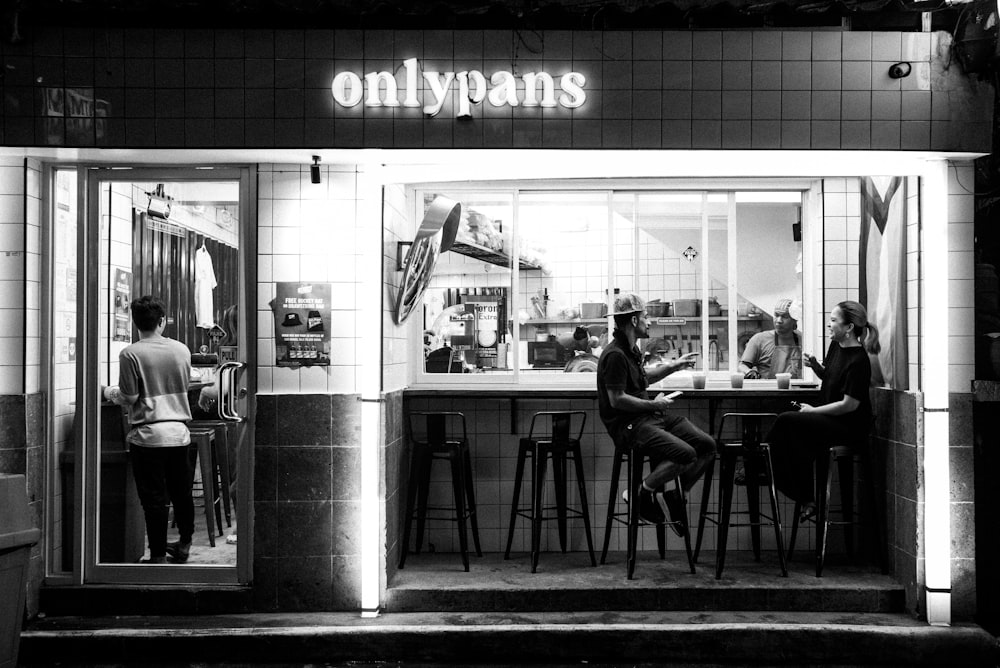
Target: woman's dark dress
{"type": "Point", "coordinates": [797, 439]}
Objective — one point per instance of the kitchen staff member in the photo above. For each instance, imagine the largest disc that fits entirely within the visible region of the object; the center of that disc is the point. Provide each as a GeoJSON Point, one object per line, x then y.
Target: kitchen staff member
{"type": "Point", "coordinates": [780, 351]}
{"type": "Point", "coordinates": [579, 340]}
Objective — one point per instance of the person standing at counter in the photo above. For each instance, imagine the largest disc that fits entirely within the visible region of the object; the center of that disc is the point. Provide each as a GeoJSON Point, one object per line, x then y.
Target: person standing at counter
{"type": "Point", "coordinates": [675, 446]}
{"type": "Point", "coordinates": [153, 378]}
{"type": "Point", "coordinates": [780, 351]}
{"type": "Point", "coordinates": [844, 413]}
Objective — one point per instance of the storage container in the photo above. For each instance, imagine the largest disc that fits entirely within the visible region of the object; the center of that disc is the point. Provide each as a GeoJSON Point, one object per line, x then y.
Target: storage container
{"type": "Point", "coordinates": [686, 308]}
{"type": "Point", "coordinates": [590, 310]}
{"type": "Point", "coordinates": [656, 309]}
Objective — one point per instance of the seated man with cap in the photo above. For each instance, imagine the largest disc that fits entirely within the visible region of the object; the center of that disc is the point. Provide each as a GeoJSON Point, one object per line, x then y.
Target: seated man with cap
{"type": "Point", "coordinates": [675, 446]}
{"type": "Point", "coordinates": [780, 351]}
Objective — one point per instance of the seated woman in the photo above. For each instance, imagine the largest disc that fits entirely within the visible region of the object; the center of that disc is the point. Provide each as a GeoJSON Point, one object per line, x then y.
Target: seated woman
{"type": "Point", "coordinates": [844, 413]}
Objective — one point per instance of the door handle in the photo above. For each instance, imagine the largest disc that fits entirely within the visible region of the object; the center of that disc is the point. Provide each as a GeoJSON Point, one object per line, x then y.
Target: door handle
{"type": "Point", "coordinates": [229, 393]}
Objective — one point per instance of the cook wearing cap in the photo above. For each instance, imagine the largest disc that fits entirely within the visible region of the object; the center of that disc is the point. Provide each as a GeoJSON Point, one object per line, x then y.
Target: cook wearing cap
{"type": "Point", "coordinates": [677, 449]}
{"type": "Point", "coordinates": [780, 351]}
{"type": "Point", "coordinates": [579, 340]}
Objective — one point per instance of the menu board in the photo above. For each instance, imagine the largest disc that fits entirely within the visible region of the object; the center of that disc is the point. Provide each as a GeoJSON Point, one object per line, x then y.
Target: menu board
{"type": "Point", "coordinates": [302, 324]}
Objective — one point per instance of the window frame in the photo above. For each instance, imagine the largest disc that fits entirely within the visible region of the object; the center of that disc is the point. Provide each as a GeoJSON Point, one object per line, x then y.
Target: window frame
{"type": "Point", "coordinates": [811, 214]}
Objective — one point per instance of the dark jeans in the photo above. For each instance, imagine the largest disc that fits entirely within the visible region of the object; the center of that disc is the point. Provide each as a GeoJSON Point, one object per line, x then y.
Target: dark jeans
{"type": "Point", "coordinates": [797, 439]}
{"type": "Point", "coordinates": [163, 477]}
{"type": "Point", "coordinates": [670, 438]}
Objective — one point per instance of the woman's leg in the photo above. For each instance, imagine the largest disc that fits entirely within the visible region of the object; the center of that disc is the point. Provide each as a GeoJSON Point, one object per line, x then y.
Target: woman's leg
{"type": "Point", "coordinates": [796, 440]}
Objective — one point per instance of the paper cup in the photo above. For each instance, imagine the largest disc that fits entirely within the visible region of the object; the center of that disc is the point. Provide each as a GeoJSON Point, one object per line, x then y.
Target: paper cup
{"type": "Point", "coordinates": [736, 380]}
{"type": "Point", "coordinates": [784, 380]}
{"type": "Point", "coordinates": [698, 380]}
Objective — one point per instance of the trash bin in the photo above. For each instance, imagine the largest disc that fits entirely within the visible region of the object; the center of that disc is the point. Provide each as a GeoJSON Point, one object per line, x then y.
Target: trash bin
{"type": "Point", "coordinates": [17, 535]}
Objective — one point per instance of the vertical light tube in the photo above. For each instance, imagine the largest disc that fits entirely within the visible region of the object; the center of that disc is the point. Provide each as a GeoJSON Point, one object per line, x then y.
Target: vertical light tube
{"type": "Point", "coordinates": [368, 227]}
{"type": "Point", "coordinates": [732, 260]}
{"type": "Point", "coordinates": [934, 372]}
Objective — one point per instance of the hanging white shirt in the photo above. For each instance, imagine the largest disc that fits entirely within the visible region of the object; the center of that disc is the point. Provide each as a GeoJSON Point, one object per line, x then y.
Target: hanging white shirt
{"type": "Point", "coordinates": [204, 283]}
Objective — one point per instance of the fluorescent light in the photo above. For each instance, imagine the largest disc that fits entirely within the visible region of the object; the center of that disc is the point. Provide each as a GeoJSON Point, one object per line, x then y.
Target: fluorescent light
{"type": "Point", "coordinates": [935, 387]}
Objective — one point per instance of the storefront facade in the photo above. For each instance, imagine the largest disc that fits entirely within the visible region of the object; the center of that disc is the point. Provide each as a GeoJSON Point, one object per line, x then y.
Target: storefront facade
{"type": "Point", "coordinates": [678, 110]}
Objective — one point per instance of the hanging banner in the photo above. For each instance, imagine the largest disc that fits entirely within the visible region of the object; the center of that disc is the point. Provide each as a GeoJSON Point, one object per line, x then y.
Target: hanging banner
{"type": "Point", "coordinates": [302, 324]}
{"type": "Point", "coordinates": [122, 302]}
{"type": "Point", "coordinates": [882, 274]}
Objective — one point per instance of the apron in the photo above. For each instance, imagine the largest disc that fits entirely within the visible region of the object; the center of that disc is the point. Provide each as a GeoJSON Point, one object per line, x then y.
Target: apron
{"type": "Point", "coordinates": [787, 359]}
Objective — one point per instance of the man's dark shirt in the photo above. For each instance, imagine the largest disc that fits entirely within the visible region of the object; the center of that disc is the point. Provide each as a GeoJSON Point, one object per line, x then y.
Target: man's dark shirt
{"type": "Point", "coordinates": [619, 368]}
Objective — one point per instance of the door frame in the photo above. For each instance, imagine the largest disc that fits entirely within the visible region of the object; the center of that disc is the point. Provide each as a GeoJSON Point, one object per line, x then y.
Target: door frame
{"type": "Point", "coordinates": [87, 568]}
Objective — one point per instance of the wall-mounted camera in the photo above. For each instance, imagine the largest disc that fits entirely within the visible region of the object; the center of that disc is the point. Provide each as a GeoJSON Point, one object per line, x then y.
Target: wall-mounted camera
{"type": "Point", "coordinates": [899, 70]}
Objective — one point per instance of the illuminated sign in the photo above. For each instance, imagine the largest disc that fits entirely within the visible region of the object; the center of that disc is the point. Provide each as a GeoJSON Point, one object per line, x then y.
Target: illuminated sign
{"type": "Point", "coordinates": [380, 89]}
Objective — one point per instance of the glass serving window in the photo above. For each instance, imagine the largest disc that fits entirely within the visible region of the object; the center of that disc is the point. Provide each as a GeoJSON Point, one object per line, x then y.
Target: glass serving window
{"type": "Point", "coordinates": [467, 311]}
{"type": "Point", "coordinates": [709, 263]}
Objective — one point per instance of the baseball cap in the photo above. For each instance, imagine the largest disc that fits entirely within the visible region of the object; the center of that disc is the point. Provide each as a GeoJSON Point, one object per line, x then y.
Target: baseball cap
{"type": "Point", "coordinates": [791, 307]}
{"type": "Point", "coordinates": [628, 303]}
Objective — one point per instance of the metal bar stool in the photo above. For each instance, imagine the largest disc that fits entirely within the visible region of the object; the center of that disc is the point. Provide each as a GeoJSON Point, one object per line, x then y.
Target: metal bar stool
{"type": "Point", "coordinates": [842, 457]}
{"type": "Point", "coordinates": [220, 452]}
{"type": "Point", "coordinates": [756, 456]}
{"type": "Point", "coordinates": [202, 438]}
{"type": "Point", "coordinates": [441, 435]}
{"type": "Point", "coordinates": [556, 434]}
{"type": "Point", "coordinates": [631, 516]}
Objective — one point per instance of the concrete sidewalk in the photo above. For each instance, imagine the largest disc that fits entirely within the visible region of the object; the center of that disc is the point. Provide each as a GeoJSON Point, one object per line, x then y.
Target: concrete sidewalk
{"type": "Point", "coordinates": [545, 638]}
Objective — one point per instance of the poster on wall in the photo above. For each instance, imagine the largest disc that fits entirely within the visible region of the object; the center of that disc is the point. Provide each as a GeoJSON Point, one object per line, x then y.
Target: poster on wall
{"type": "Point", "coordinates": [302, 324]}
{"type": "Point", "coordinates": [122, 299]}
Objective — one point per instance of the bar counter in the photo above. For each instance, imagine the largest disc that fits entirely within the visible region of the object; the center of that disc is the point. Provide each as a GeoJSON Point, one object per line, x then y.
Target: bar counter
{"type": "Point", "coordinates": [715, 392]}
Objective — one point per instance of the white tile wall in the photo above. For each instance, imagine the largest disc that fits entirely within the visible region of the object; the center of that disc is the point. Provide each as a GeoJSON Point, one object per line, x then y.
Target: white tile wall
{"type": "Point", "coordinates": [961, 346]}
{"type": "Point", "coordinates": [17, 372]}
{"type": "Point", "coordinates": [397, 226]}
{"type": "Point", "coordinates": [913, 278]}
{"type": "Point", "coordinates": [307, 232]}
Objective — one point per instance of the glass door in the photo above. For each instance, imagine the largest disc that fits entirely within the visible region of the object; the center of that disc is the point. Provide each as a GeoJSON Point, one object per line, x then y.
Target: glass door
{"type": "Point", "coordinates": [180, 236]}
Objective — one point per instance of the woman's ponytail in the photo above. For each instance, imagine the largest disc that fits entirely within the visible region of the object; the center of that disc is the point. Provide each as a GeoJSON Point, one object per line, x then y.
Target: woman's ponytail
{"type": "Point", "coordinates": [855, 313]}
{"type": "Point", "coordinates": [870, 339]}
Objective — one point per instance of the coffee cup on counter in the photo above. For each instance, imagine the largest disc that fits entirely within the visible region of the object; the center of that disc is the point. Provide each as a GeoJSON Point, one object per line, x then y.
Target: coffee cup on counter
{"type": "Point", "coordinates": [784, 380]}
{"type": "Point", "coordinates": [698, 380]}
{"type": "Point", "coordinates": [736, 380]}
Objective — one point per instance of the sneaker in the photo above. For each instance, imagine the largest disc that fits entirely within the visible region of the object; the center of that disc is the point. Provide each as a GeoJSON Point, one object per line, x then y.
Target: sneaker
{"type": "Point", "coordinates": [673, 508]}
{"type": "Point", "coordinates": [179, 552]}
{"type": "Point", "coordinates": [154, 560]}
{"type": "Point", "coordinates": [649, 510]}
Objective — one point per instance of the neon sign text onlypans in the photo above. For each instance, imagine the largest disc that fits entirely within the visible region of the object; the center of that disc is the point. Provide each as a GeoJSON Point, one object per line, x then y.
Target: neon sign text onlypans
{"type": "Point", "coordinates": [531, 89]}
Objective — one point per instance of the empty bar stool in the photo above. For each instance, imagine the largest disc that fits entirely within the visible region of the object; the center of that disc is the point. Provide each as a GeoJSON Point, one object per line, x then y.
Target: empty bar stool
{"type": "Point", "coordinates": [554, 434]}
{"type": "Point", "coordinates": [203, 438]}
{"type": "Point", "coordinates": [439, 435]}
{"type": "Point", "coordinates": [756, 456]}
{"type": "Point", "coordinates": [631, 517]}
{"type": "Point", "coordinates": [220, 452]}
{"type": "Point", "coordinates": [842, 457]}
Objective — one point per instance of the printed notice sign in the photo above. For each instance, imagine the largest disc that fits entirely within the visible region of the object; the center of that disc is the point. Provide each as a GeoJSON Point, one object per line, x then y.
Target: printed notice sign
{"type": "Point", "coordinates": [120, 307]}
{"type": "Point", "coordinates": [302, 324]}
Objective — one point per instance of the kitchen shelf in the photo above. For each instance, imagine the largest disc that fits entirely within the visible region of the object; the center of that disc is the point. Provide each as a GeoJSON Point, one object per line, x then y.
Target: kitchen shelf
{"type": "Point", "coordinates": [697, 318]}
{"type": "Point", "coordinates": [654, 321]}
{"type": "Point", "coordinates": [478, 252]}
{"type": "Point", "coordinates": [565, 321]}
